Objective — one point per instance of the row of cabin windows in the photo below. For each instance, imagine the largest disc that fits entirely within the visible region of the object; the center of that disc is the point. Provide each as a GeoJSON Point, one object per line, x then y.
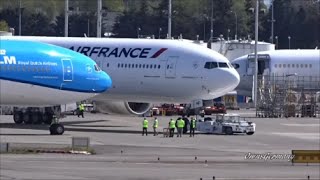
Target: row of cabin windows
{"type": "Point", "coordinates": [148, 66]}
{"type": "Point", "coordinates": [293, 65]}
{"type": "Point", "coordinates": [211, 65]}
{"type": "Point", "coordinates": [24, 68]}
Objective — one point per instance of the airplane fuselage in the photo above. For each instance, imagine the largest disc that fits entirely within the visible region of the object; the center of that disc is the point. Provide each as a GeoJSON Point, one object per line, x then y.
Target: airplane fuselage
{"type": "Point", "coordinates": [146, 70]}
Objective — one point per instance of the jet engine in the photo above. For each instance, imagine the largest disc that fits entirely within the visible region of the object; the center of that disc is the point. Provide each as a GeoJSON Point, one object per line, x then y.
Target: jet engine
{"type": "Point", "coordinates": [123, 107]}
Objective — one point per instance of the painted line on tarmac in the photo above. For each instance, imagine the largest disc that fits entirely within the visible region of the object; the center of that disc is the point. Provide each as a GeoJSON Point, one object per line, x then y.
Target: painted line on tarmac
{"type": "Point", "coordinates": [302, 125]}
{"type": "Point", "coordinates": [261, 178]}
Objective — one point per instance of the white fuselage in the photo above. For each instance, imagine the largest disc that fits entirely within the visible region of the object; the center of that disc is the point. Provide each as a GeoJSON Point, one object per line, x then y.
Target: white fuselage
{"type": "Point", "coordinates": [148, 70]}
{"type": "Point", "coordinates": [300, 65]}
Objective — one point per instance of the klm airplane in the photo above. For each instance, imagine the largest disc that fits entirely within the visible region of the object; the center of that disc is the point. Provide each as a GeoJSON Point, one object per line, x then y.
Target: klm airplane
{"type": "Point", "coordinates": [38, 76]}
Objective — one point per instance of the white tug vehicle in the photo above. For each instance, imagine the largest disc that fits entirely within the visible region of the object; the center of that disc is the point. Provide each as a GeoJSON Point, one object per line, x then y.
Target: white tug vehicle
{"type": "Point", "coordinates": [226, 124]}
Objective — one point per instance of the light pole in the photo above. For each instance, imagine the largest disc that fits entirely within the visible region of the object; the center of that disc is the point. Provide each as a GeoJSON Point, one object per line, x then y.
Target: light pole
{"type": "Point", "coordinates": [88, 27]}
{"type": "Point", "coordinates": [236, 35]}
{"type": "Point", "coordinates": [99, 18]}
{"type": "Point", "coordinates": [276, 42]}
{"type": "Point", "coordinates": [211, 25]}
{"type": "Point", "coordinates": [256, 53]}
{"type": "Point", "coordinates": [272, 21]}
{"type": "Point", "coordinates": [160, 29]}
{"type": "Point", "coordinates": [169, 19]}
{"type": "Point", "coordinates": [138, 32]}
{"type": "Point", "coordinates": [204, 26]}
{"type": "Point", "coordinates": [66, 18]}
{"type": "Point", "coordinates": [19, 17]}
{"type": "Point", "coordinates": [289, 41]}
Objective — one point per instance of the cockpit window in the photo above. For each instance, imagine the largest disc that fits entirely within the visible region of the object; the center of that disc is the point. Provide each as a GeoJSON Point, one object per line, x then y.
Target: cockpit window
{"type": "Point", "coordinates": [97, 68]}
{"type": "Point", "coordinates": [235, 65]}
{"type": "Point", "coordinates": [223, 65]}
{"type": "Point", "coordinates": [211, 65]}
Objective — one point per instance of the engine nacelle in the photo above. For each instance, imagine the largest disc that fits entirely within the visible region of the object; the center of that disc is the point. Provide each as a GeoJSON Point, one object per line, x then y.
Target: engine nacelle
{"type": "Point", "coordinates": [123, 107]}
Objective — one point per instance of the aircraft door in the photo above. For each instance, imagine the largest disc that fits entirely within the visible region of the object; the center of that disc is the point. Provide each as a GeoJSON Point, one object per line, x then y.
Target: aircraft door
{"type": "Point", "coordinates": [67, 70]}
{"type": "Point", "coordinates": [263, 64]}
{"type": "Point", "coordinates": [171, 67]}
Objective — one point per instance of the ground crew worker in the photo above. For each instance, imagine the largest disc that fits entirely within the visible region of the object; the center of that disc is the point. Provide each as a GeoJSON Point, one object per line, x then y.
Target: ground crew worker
{"type": "Point", "coordinates": [155, 126]}
{"type": "Point", "coordinates": [172, 126]}
{"type": "Point", "coordinates": [145, 126]}
{"type": "Point", "coordinates": [180, 125]}
{"type": "Point", "coordinates": [192, 126]}
{"type": "Point", "coordinates": [81, 110]}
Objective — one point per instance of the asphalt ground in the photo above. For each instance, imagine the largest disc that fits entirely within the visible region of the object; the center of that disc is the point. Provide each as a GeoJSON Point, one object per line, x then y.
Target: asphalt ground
{"type": "Point", "coordinates": [123, 153]}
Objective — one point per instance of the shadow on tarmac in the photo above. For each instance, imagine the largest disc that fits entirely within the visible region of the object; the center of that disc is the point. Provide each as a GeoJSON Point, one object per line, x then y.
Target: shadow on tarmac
{"type": "Point", "coordinates": [69, 123]}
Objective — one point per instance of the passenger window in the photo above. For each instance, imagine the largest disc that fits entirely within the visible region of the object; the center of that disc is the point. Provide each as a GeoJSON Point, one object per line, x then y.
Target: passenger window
{"type": "Point", "coordinates": [310, 65]}
{"type": "Point", "coordinates": [129, 65]}
{"type": "Point", "coordinates": [125, 65]}
{"type": "Point", "coordinates": [279, 65]}
{"type": "Point", "coordinates": [223, 65]}
{"type": "Point", "coordinates": [143, 66]}
{"type": "Point", "coordinates": [158, 66]}
{"type": "Point", "coordinates": [136, 65]}
{"type": "Point", "coordinates": [108, 65]}
{"type": "Point", "coordinates": [140, 65]}
{"type": "Point", "coordinates": [147, 66]}
{"type": "Point", "coordinates": [167, 66]}
{"type": "Point", "coordinates": [288, 65]}
{"type": "Point", "coordinates": [306, 65]}
{"type": "Point", "coordinates": [154, 66]}
{"type": "Point", "coordinates": [301, 65]}
{"type": "Point", "coordinates": [284, 65]}
{"type": "Point", "coordinates": [122, 65]}
{"type": "Point", "coordinates": [293, 65]}
{"type": "Point", "coordinates": [118, 65]}
{"type": "Point", "coordinates": [275, 65]}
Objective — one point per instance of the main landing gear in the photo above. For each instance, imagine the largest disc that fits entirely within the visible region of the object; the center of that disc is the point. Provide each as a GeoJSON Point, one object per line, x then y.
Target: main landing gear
{"type": "Point", "coordinates": [47, 115]}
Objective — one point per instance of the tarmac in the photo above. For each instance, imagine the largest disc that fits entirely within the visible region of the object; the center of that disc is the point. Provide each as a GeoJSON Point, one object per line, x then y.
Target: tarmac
{"type": "Point", "coordinates": [123, 153]}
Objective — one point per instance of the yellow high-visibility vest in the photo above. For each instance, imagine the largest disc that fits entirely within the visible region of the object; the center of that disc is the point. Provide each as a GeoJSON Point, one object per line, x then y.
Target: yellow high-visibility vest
{"type": "Point", "coordinates": [193, 123]}
{"type": "Point", "coordinates": [145, 123]}
{"type": "Point", "coordinates": [172, 124]}
{"type": "Point", "coordinates": [155, 123]}
{"type": "Point", "coordinates": [180, 123]}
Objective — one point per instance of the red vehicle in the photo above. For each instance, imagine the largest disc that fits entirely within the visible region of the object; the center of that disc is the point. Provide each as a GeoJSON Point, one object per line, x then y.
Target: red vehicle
{"type": "Point", "coordinates": [216, 108]}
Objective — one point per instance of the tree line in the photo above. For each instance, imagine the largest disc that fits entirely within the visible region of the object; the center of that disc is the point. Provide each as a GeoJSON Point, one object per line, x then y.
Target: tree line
{"type": "Point", "coordinates": [295, 21]}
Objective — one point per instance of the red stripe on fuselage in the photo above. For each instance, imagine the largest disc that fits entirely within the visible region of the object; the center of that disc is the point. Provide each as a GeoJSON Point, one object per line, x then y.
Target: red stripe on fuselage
{"type": "Point", "coordinates": [159, 52]}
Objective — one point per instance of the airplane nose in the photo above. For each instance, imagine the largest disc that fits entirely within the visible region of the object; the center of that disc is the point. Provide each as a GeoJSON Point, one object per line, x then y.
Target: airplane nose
{"type": "Point", "coordinates": [229, 81]}
{"type": "Point", "coordinates": [104, 83]}
{"type": "Point", "coordinates": [232, 80]}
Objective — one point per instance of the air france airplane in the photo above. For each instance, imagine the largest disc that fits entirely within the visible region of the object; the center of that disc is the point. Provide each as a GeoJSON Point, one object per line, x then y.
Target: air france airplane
{"type": "Point", "coordinates": [146, 71]}
{"type": "Point", "coordinates": [300, 63]}
{"type": "Point", "coordinates": [34, 74]}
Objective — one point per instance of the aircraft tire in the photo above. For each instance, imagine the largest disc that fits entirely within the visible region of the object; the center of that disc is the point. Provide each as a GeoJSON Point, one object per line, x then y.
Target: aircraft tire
{"type": "Point", "coordinates": [27, 118]}
{"type": "Point", "coordinates": [56, 129]}
{"type": "Point", "coordinates": [36, 118]}
{"type": "Point", "coordinates": [47, 118]}
{"type": "Point", "coordinates": [17, 118]}
{"type": "Point", "coordinates": [228, 130]}
{"type": "Point", "coordinates": [250, 133]}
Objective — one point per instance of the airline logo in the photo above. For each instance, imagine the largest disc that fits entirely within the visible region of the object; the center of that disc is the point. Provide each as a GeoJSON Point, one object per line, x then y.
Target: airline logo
{"type": "Point", "coordinates": [118, 52]}
{"type": "Point", "coordinates": [7, 59]}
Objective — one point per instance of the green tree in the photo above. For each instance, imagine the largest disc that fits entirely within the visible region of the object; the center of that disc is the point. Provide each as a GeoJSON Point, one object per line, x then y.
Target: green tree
{"type": "Point", "coordinates": [4, 26]}
{"type": "Point", "coordinates": [38, 25]}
